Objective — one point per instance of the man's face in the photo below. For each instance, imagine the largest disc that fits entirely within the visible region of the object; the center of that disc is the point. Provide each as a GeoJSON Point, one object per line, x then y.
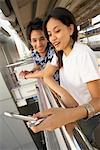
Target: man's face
{"type": "Point", "coordinates": [38, 40]}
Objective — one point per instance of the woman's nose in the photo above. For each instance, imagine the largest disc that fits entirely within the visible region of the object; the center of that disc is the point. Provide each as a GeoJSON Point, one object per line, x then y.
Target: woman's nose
{"type": "Point", "coordinates": [53, 37]}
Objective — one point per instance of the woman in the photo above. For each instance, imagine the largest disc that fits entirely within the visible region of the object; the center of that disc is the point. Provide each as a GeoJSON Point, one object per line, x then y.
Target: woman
{"type": "Point", "coordinates": [79, 73]}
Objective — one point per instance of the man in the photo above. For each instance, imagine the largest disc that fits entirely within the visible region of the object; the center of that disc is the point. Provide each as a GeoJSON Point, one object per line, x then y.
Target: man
{"type": "Point", "coordinates": [42, 51]}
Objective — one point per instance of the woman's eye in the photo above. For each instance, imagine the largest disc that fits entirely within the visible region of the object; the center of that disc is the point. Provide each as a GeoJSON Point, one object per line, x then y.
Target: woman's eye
{"type": "Point", "coordinates": [49, 35]}
{"type": "Point", "coordinates": [57, 31]}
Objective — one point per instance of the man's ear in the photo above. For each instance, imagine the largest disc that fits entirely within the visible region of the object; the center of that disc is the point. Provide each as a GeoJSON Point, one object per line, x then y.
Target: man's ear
{"type": "Point", "coordinates": [31, 44]}
{"type": "Point", "coordinates": [29, 41]}
{"type": "Point", "coordinates": [71, 29]}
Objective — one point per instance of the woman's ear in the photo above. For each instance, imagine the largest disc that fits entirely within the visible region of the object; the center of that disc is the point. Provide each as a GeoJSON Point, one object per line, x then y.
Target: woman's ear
{"type": "Point", "coordinates": [71, 29]}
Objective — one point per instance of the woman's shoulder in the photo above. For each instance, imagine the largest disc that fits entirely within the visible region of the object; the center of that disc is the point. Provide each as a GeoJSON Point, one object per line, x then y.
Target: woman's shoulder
{"type": "Point", "coordinates": [84, 52]}
{"type": "Point", "coordinates": [82, 48]}
{"type": "Point", "coordinates": [81, 45]}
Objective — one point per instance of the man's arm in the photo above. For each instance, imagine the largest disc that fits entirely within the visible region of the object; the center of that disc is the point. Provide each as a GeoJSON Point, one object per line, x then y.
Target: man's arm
{"type": "Point", "coordinates": [22, 74]}
{"type": "Point", "coordinates": [36, 67]}
{"type": "Point", "coordinates": [49, 70]}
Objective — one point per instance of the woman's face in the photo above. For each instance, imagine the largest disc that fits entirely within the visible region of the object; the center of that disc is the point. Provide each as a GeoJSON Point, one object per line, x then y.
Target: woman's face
{"type": "Point", "coordinates": [59, 34]}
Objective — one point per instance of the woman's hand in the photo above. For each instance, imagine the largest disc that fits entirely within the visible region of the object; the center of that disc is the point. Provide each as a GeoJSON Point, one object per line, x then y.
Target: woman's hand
{"type": "Point", "coordinates": [53, 118]}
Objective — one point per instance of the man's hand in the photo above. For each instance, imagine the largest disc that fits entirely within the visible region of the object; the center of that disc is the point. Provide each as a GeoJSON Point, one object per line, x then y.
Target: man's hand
{"type": "Point", "coordinates": [22, 74]}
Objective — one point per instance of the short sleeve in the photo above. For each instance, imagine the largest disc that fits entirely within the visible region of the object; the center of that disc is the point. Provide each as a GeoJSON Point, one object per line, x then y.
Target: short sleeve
{"type": "Point", "coordinates": [54, 61]}
{"type": "Point", "coordinates": [89, 70]}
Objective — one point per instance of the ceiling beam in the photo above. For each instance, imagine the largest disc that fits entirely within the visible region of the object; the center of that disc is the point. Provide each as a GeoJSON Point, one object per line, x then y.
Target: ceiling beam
{"type": "Point", "coordinates": [16, 10]}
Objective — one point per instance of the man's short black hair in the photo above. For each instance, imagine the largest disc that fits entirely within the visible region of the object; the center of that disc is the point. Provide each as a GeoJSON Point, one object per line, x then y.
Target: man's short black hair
{"type": "Point", "coordinates": [36, 24]}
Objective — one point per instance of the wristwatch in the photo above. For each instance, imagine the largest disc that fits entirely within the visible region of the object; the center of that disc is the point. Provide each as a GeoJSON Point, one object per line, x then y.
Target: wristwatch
{"type": "Point", "coordinates": [90, 110]}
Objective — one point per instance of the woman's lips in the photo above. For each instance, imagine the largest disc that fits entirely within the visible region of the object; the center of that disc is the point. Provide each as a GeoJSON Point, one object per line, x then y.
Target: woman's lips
{"type": "Point", "coordinates": [56, 44]}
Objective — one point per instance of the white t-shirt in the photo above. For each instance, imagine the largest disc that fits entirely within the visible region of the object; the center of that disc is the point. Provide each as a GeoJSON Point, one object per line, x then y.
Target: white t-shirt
{"type": "Point", "coordinates": [79, 67]}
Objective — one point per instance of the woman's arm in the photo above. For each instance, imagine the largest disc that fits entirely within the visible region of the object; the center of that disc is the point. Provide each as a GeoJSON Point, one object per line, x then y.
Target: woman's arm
{"type": "Point", "coordinates": [94, 88]}
{"type": "Point", "coordinates": [57, 117]}
{"type": "Point", "coordinates": [67, 99]}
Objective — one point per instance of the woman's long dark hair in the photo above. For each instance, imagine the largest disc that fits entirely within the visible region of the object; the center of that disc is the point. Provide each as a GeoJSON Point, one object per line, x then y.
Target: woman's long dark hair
{"type": "Point", "coordinates": [67, 18]}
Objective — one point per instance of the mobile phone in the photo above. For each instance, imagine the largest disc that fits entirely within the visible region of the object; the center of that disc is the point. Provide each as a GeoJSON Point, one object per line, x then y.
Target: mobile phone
{"type": "Point", "coordinates": [33, 121]}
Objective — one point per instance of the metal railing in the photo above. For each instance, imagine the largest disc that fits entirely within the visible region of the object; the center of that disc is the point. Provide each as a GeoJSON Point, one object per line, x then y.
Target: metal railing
{"type": "Point", "coordinates": [60, 139]}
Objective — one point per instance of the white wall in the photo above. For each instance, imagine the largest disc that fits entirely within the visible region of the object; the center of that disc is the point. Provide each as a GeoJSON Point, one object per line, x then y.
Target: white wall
{"type": "Point", "coordinates": [13, 133]}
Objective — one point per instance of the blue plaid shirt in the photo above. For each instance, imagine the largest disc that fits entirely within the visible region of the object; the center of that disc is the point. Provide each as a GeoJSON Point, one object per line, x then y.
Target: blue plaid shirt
{"type": "Point", "coordinates": [42, 61]}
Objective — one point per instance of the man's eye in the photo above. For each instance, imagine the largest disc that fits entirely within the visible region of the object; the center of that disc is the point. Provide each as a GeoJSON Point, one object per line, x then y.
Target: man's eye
{"type": "Point", "coordinates": [42, 38]}
{"type": "Point", "coordinates": [33, 40]}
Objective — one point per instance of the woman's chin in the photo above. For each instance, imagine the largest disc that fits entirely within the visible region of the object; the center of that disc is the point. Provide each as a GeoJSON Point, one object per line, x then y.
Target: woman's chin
{"type": "Point", "coordinates": [58, 49]}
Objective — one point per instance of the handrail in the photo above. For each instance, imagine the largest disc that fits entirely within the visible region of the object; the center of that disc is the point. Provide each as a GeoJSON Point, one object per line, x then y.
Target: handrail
{"type": "Point", "coordinates": [76, 125]}
{"type": "Point", "coordinates": [46, 104]}
{"type": "Point", "coordinates": [47, 100]}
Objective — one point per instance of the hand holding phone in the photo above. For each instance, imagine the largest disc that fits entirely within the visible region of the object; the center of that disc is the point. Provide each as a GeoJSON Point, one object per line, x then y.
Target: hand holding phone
{"type": "Point", "coordinates": [33, 121]}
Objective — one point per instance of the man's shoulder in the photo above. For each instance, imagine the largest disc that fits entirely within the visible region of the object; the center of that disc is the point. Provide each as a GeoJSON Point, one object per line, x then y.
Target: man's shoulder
{"type": "Point", "coordinates": [35, 53]}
